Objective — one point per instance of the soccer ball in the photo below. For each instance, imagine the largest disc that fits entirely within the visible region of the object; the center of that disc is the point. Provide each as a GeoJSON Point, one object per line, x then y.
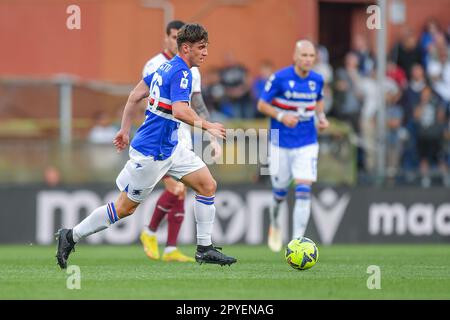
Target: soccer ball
{"type": "Point", "coordinates": [301, 253]}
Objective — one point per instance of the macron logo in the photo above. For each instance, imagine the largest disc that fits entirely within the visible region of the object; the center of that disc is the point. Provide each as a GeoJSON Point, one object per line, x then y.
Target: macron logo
{"type": "Point", "coordinates": [185, 73]}
{"type": "Point", "coordinates": [327, 212]}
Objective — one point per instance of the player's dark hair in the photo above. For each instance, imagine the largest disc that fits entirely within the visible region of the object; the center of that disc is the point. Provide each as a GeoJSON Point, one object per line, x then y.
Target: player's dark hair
{"type": "Point", "coordinates": [174, 24]}
{"type": "Point", "coordinates": [191, 33]}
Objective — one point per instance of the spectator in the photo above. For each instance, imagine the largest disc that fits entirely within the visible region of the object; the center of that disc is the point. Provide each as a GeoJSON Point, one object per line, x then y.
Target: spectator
{"type": "Point", "coordinates": [397, 74]}
{"type": "Point", "coordinates": [103, 132]}
{"type": "Point", "coordinates": [366, 62]}
{"type": "Point", "coordinates": [348, 94]}
{"type": "Point", "coordinates": [265, 71]}
{"type": "Point", "coordinates": [440, 44]}
{"type": "Point", "coordinates": [410, 99]}
{"type": "Point", "coordinates": [430, 119]}
{"type": "Point", "coordinates": [234, 78]}
{"type": "Point", "coordinates": [411, 96]}
{"type": "Point", "coordinates": [406, 52]}
{"type": "Point", "coordinates": [52, 176]}
{"type": "Point", "coordinates": [439, 73]}
{"type": "Point", "coordinates": [428, 37]}
{"type": "Point", "coordinates": [100, 152]}
{"type": "Point", "coordinates": [396, 134]}
{"type": "Point", "coordinates": [368, 128]}
{"type": "Point", "coordinates": [323, 67]}
{"type": "Point", "coordinates": [214, 94]}
{"type": "Point", "coordinates": [348, 100]}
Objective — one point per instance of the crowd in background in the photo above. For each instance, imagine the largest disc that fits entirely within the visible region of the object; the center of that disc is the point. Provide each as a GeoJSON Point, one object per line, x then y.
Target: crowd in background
{"type": "Point", "coordinates": [417, 97]}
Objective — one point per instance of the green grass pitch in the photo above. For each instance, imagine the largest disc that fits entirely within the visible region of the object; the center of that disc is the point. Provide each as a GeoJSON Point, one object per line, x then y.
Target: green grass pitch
{"type": "Point", "coordinates": [124, 272]}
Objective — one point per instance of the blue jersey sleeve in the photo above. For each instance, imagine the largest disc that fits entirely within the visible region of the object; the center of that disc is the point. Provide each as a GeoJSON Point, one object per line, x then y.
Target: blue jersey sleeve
{"type": "Point", "coordinates": [148, 79]}
{"type": "Point", "coordinates": [180, 86]}
{"type": "Point", "coordinates": [271, 88]}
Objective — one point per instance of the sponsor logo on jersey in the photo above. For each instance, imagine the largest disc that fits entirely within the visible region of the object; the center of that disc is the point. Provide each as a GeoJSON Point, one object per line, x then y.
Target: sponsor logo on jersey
{"type": "Point", "coordinates": [288, 94]}
{"type": "Point", "coordinates": [300, 95]}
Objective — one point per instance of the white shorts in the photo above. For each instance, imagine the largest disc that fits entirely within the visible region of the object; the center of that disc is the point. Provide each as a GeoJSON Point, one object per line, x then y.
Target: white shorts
{"type": "Point", "coordinates": [287, 164]}
{"type": "Point", "coordinates": [141, 173]}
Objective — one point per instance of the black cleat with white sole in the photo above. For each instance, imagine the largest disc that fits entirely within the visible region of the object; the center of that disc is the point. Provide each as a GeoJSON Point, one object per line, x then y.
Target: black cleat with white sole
{"type": "Point", "coordinates": [64, 247]}
{"type": "Point", "coordinates": [212, 255]}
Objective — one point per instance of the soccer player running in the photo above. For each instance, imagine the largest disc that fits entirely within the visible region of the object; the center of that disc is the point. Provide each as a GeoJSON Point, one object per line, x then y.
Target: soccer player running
{"type": "Point", "coordinates": [292, 97]}
{"type": "Point", "coordinates": [155, 152]}
{"type": "Point", "coordinates": [171, 201]}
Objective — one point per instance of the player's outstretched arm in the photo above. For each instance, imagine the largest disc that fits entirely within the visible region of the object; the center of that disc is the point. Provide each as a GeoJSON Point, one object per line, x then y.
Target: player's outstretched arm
{"type": "Point", "coordinates": [182, 112]}
{"type": "Point", "coordinates": [323, 121]}
{"type": "Point", "coordinates": [288, 120]}
{"type": "Point", "coordinates": [199, 106]}
{"type": "Point", "coordinates": [267, 109]}
{"type": "Point", "coordinates": [122, 137]}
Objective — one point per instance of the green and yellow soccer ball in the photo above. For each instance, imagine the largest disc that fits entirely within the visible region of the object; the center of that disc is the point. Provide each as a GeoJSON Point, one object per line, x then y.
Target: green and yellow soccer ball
{"type": "Point", "coordinates": [301, 253]}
